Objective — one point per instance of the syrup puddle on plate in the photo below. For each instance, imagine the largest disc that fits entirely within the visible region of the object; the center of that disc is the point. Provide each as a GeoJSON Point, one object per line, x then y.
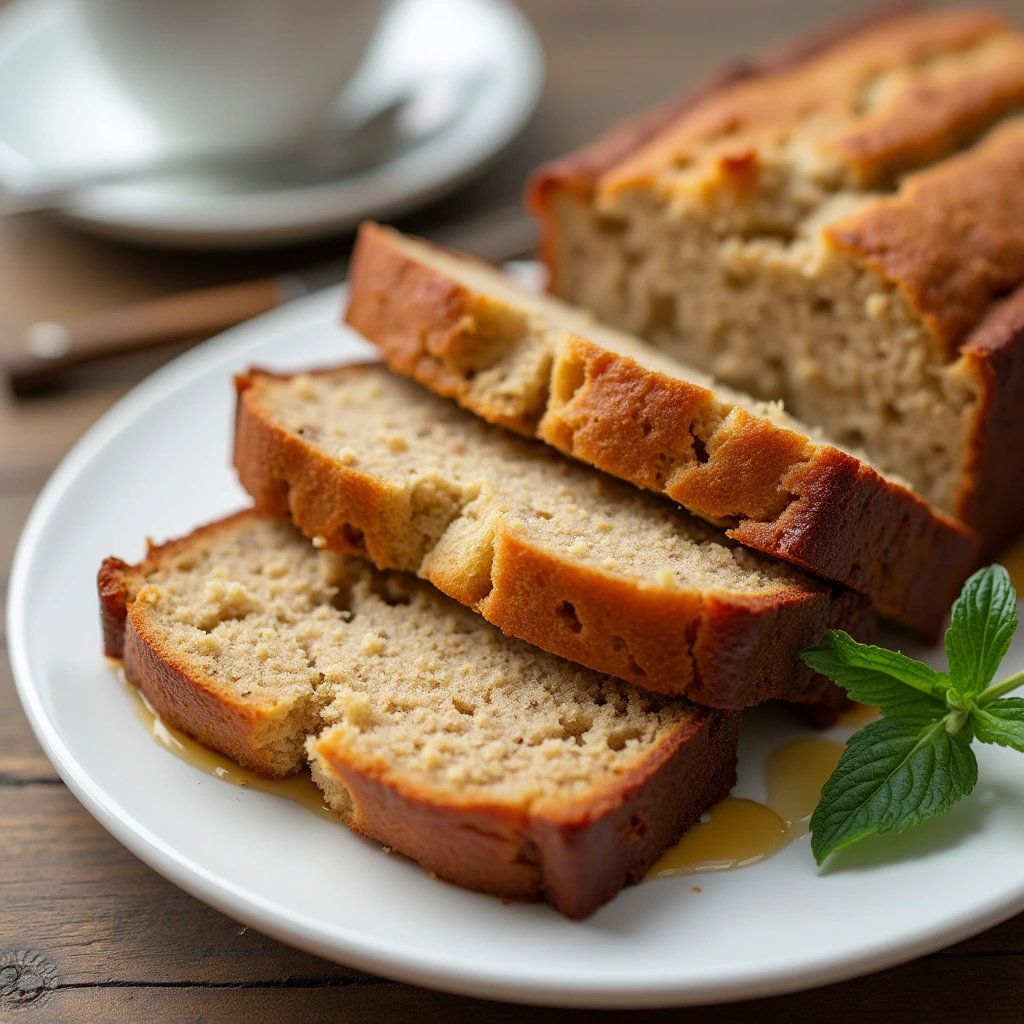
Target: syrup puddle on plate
{"type": "Point", "coordinates": [299, 788]}
{"type": "Point", "coordinates": [737, 833]}
{"type": "Point", "coordinates": [857, 716]}
{"type": "Point", "coordinates": [1012, 559]}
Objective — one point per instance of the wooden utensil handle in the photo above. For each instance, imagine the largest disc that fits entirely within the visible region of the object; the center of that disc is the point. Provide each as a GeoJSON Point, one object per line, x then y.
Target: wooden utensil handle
{"type": "Point", "coordinates": [45, 349]}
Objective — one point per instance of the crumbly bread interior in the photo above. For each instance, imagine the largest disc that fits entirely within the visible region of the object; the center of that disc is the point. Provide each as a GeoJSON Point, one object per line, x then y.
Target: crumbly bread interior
{"type": "Point", "coordinates": [403, 681]}
{"type": "Point", "coordinates": [435, 698]}
{"type": "Point", "coordinates": [512, 375]}
{"type": "Point", "coordinates": [452, 479]}
{"type": "Point", "coordinates": [785, 315]}
{"type": "Point", "coordinates": [240, 607]}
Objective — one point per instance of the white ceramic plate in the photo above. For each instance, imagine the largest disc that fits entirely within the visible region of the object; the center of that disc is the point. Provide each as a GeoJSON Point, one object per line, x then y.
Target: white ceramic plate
{"type": "Point", "coordinates": [158, 464]}
{"type": "Point", "coordinates": [59, 108]}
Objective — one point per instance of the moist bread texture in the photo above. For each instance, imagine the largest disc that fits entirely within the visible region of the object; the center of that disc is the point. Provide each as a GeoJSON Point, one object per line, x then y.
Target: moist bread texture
{"type": "Point", "coordinates": [494, 764]}
{"type": "Point", "coordinates": [837, 230]}
{"type": "Point", "coordinates": [548, 550]}
{"type": "Point", "coordinates": [546, 369]}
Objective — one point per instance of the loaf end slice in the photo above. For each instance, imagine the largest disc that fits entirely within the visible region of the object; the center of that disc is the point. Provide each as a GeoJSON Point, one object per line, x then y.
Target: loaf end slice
{"type": "Point", "coordinates": [493, 764]}
{"type": "Point", "coordinates": [610, 400]}
{"type": "Point", "coordinates": [216, 647]}
{"type": "Point", "coordinates": [548, 550]}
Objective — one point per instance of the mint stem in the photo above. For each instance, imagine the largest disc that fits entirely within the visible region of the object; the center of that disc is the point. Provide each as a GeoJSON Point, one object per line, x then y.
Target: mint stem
{"type": "Point", "coordinates": [1017, 679]}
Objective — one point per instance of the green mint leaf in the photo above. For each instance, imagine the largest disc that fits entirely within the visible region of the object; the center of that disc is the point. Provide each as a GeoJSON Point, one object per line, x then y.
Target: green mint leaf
{"type": "Point", "coordinates": [898, 685]}
{"type": "Point", "coordinates": [894, 773]}
{"type": "Point", "coordinates": [1001, 721]}
{"type": "Point", "coordinates": [984, 621]}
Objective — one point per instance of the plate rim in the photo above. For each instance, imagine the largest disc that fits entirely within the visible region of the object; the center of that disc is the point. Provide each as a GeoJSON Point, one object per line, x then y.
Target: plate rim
{"type": "Point", "coordinates": [369, 953]}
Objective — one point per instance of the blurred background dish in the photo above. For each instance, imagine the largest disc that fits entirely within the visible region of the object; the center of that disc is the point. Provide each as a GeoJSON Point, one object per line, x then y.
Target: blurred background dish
{"type": "Point", "coordinates": [231, 74]}
{"type": "Point", "coordinates": [61, 110]}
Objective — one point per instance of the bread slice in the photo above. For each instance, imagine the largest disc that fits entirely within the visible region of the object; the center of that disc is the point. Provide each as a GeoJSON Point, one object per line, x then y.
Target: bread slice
{"type": "Point", "coordinates": [550, 551]}
{"type": "Point", "coordinates": [545, 368]}
{"type": "Point", "coordinates": [840, 232]}
{"type": "Point", "coordinates": [493, 764]}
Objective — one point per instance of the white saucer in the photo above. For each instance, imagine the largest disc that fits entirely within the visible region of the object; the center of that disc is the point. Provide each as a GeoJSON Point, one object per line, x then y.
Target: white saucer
{"type": "Point", "coordinates": [158, 464]}
{"type": "Point", "coordinates": [59, 107]}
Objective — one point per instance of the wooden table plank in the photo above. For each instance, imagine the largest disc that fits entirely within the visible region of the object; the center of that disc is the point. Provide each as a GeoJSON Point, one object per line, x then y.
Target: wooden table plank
{"type": "Point", "coordinates": [14, 509]}
{"type": "Point", "coordinates": [45, 428]}
{"type": "Point", "coordinates": [100, 916]}
{"type": "Point", "coordinates": [964, 989]}
{"type": "Point", "coordinates": [21, 758]}
{"type": "Point", "coordinates": [1005, 939]}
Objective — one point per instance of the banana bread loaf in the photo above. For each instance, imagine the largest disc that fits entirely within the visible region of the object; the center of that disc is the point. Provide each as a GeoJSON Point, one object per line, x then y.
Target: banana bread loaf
{"type": "Point", "coordinates": [839, 230]}
{"type": "Point", "coordinates": [493, 764]}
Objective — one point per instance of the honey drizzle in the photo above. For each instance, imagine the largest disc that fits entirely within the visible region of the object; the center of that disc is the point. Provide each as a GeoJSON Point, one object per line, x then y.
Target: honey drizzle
{"type": "Point", "coordinates": [857, 716]}
{"type": "Point", "coordinates": [1012, 559]}
{"type": "Point", "coordinates": [733, 834]}
{"type": "Point", "coordinates": [299, 788]}
{"type": "Point", "coordinates": [737, 833]}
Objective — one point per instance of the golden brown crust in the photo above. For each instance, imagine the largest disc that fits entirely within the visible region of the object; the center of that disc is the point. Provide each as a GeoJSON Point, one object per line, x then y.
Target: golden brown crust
{"type": "Point", "coordinates": [721, 652]}
{"type": "Point", "coordinates": [950, 241]}
{"type": "Point", "coordinates": [184, 700]}
{"type": "Point", "coordinates": [580, 171]}
{"type": "Point", "coordinates": [111, 583]}
{"type": "Point", "coordinates": [832, 85]}
{"type": "Point", "coordinates": [575, 857]}
{"type": "Point", "coordinates": [808, 504]}
{"type": "Point", "coordinates": [929, 120]}
{"type": "Point", "coordinates": [950, 238]}
{"type": "Point", "coordinates": [724, 652]}
{"type": "Point", "coordinates": [918, 238]}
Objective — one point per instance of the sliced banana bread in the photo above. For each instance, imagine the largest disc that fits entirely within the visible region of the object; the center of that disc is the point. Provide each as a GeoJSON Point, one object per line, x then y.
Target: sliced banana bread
{"type": "Point", "coordinates": [493, 764]}
{"type": "Point", "coordinates": [545, 368]}
{"type": "Point", "coordinates": [840, 231]}
{"type": "Point", "coordinates": [550, 551]}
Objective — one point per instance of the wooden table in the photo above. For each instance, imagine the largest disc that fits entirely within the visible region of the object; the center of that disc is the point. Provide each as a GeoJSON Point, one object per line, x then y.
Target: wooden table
{"type": "Point", "coordinates": [87, 932]}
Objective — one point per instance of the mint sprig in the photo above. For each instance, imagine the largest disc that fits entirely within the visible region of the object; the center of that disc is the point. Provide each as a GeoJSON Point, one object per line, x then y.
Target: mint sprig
{"type": "Point", "coordinates": [917, 761]}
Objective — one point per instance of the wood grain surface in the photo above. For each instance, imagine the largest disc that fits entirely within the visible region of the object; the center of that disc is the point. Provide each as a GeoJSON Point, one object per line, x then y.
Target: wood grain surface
{"type": "Point", "coordinates": [89, 933]}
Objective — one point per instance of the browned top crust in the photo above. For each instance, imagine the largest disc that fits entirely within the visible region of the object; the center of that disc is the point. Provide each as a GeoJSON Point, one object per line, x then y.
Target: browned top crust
{"type": "Point", "coordinates": [579, 172]}
{"type": "Point", "coordinates": [843, 103]}
{"type": "Point", "coordinates": [883, 100]}
{"type": "Point", "coordinates": [952, 236]}
{"type": "Point", "coordinates": [918, 88]}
